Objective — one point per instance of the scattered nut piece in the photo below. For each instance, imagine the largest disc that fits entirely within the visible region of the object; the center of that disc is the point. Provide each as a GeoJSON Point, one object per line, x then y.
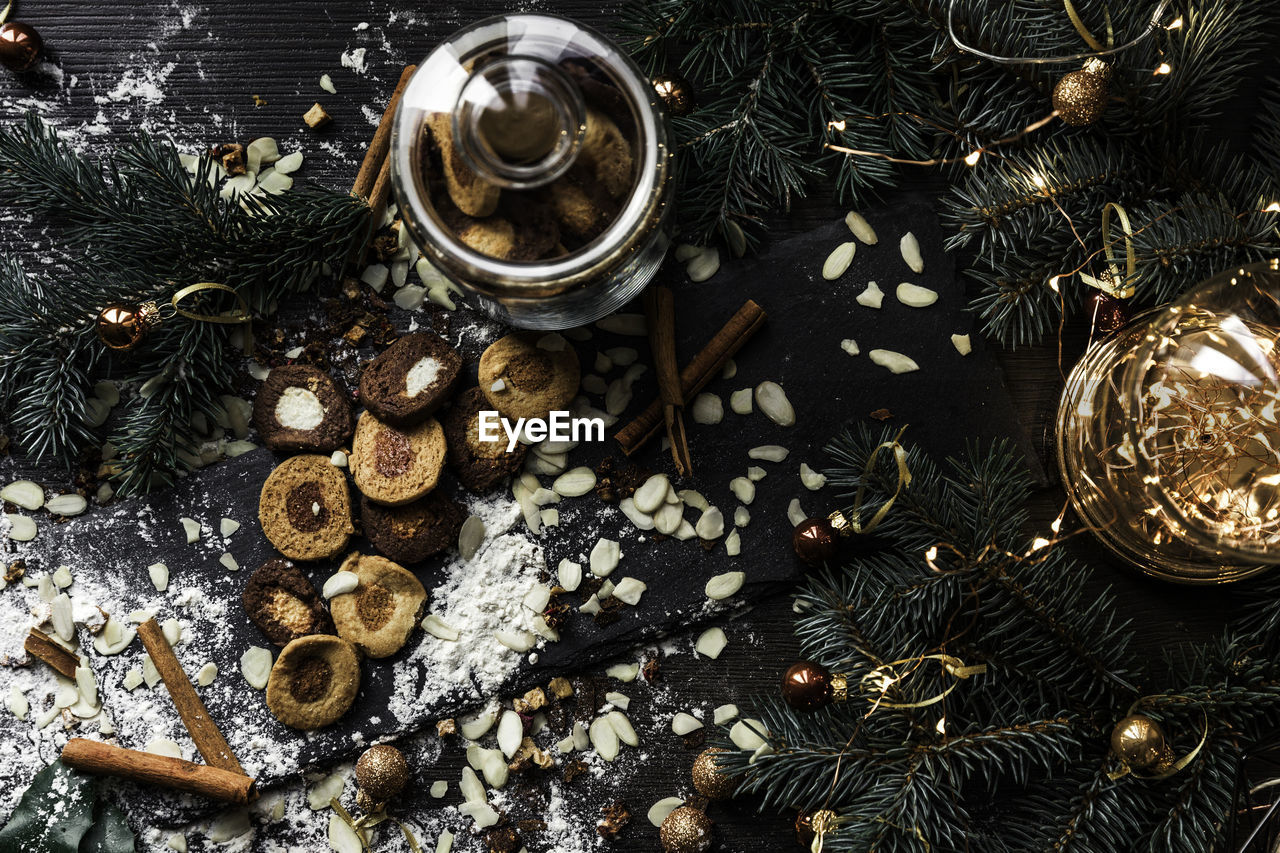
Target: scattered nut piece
{"type": "Point", "coordinates": [811, 479]}
{"type": "Point", "coordinates": [861, 228]}
{"type": "Point", "coordinates": [795, 512]}
{"type": "Point", "coordinates": [839, 260]}
{"type": "Point", "coordinates": [725, 585]}
{"type": "Point", "coordinates": [23, 493]}
{"type": "Point", "coordinates": [192, 528]}
{"type": "Point", "coordinates": [743, 489]}
{"type": "Point", "coordinates": [67, 505]}
{"type": "Point", "coordinates": [850, 346]}
{"type": "Point", "coordinates": [705, 265]}
{"type": "Point", "coordinates": [733, 543]}
{"type": "Point", "coordinates": [915, 296]}
{"type": "Point", "coordinates": [159, 573]}
{"type": "Point", "coordinates": [962, 344]}
{"type": "Point", "coordinates": [768, 453]}
{"type": "Point", "coordinates": [316, 117]}
{"type": "Point", "coordinates": [683, 724]}
{"type": "Point", "coordinates": [207, 674]}
{"type": "Point", "coordinates": [773, 401]}
{"type": "Point", "coordinates": [895, 362]}
{"type": "Point", "coordinates": [707, 409]}
{"type": "Point", "coordinates": [711, 643]}
{"type": "Point", "coordinates": [740, 401]}
{"type": "Point", "coordinates": [340, 583]}
{"type": "Point", "coordinates": [910, 247]}
{"type": "Point", "coordinates": [604, 557]}
{"type": "Point", "coordinates": [872, 297]}
{"type": "Point", "coordinates": [625, 672]}
{"type": "Point", "coordinates": [724, 714]}
{"type": "Point", "coordinates": [437, 627]}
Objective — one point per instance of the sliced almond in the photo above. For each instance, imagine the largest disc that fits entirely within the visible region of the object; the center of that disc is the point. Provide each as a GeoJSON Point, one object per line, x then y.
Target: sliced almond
{"type": "Point", "coordinates": [795, 512]}
{"type": "Point", "coordinates": [470, 537]}
{"type": "Point", "coordinates": [227, 527]}
{"type": "Point", "coordinates": [915, 296]}
{"type": "Point", "coordinates": [618, 700]}
{"type": "Point", "coordinates": [604, 557]}
{"type": "Point", "coordinates": [743, 489]}
{"type": "Point", "coordinates": [733, 543]}
{"type": "Point", "coordinates": [159, 573]}
{"type": "Point", "coordinates": [668, 518]}
{"type": "Point", "coordinates": [604, 738]}
{"type": "Point", "coordinates": [649, 497]}
{"type": "Point", "coordinates": [192, 528]}
{"type": "Point", "coordinates": [470, 786]}
{"type": "Point", "coordinates": [741, 517]}
{"type": "Point", "coordinates": [755, 473]}
{"type": "Point", "coordinates": [569, 574]}
{"type": "Point", "coordinates": [725, 585]}
{"type": "Point", "coordinates": [625, 672]}
{"type": "Point", "coordinates": [850, 346]}
{"type": "Point", "coordinates": [861, 228]}
{"type": "Point", "coordinates": [172, 630]}
{"type": "Point", "coordinates": [437, 627]}
{"type": "Point", "coordinates": [24, 493]}
{"type": "Point", "coordinates": [707, 409]}
{"type": "Point", "coordinates": [660, 810]}
{"type": "Point", "coordinates": [705, 265]}
{"type": "Point", "coordinates": [61, 577]}
{"type": "Point", "coordinates": [477, 725]}
{"type": "Point", "coordinates": [711, 525]}
{"type": "Point", "coordinates": [87, 685]}
{"type": "Point", "coordinates": [711, 643]}
{"type": "Point", "coordinates": [895, 362]}
{"type": "Point", "coordinates": [772, 400]}
{"type": "Point", "coordinates": [60, 614]}
{"type": "Point", "coordinates": [113, 638]}
{"type": "Point", "coordinates": [910, 248]}
{"type": "Point", "coordinates": [575, 482]}
{"type": "Point", "coordinates": [962, 344]}
{"type": "Point", "coordinates": [748, 734]}
{"type": "Point", "coordinates": [255, 666]}
{"type": "Point", "coordinates": [768, 453]}
{"type": "Point", "coordinates": [229, 562]}
{"type": "Point", "coordinates": [510, 733]}
{"type": "Point", "coordinates": [629, 590]}
{"type": "Point", "coordinates": [740, 401]}
{"type": "Point", "coordinates": [340, 583]}
{"type": "Point", "coordinates": [724, 714]}
{"type": "Point", "coordinates": [67, 505]}
{"type": "Point", "coordinates": [811, 479]}
{"type": "Point", "coordinates": [683, 724]}
{"type": "Point", "coordinates": [517, 641]}
{"type": "Point", "coordinates": [839, 260]}
{"type": "Point", "coordinates": [692, 499]}
{"type": "Point", "coordinates": [872, 297]}
{"type": "Point", "coordinates": [622, 728]}
{"type": "Point", "coordinates": [206, 674]}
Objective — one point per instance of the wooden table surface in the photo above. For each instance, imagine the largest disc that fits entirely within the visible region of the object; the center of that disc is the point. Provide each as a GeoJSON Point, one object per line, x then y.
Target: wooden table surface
{"type": "Point", "coordinates": [223, 53]}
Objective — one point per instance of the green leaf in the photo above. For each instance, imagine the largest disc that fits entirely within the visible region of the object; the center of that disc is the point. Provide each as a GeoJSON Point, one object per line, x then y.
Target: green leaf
{"type": "Point", "coordinates": [110, 833]}
{"type": "Point", "coordinates": [53, 814]}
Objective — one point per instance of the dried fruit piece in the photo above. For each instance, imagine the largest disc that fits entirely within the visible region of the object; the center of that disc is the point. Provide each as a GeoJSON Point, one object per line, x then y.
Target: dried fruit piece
{"type": "Point", "coordinates": [915, 296]}
{"type": "Point", "coordinates": [861, 228]}
{"type": "Point", "coordinates": [839, 260]}
{"type": "Point", "coordinates": [910, 248]}
{"type": "Point", "coordinates": [872, 297]}
{"type": "Point", "coordinates": [895, 362]}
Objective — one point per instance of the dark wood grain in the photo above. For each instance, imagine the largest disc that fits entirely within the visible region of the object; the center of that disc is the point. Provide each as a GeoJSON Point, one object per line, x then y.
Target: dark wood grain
{"type": "Point", "coordinates": [234, 49]}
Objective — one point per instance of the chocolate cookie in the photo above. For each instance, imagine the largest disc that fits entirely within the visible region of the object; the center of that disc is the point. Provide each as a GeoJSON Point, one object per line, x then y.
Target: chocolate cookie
{"type": "Point", "coordinates": [314, 681]}
{"type": "Point", "coordinates": [393, 466]}
{"type": "Point", "coordinates": [299, 407]}
{"type": "Point", "coordinates": [481, 466]}
{"type": "Point", "coordinates": [382, 611]}
{"type": "Point", "coordinates": [413, 532]}
{"type": "Point", "coordinates": [283, 603]}
{"type": "Point", "coordinates": [305, 509]}
{"type": "Point", "coordinates": [410, 380]}
{"type": "Point", "coordinates": [527, 375]}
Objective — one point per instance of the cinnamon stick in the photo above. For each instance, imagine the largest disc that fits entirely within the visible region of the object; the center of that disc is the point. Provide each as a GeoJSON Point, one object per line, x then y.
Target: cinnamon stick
{"type": "Point", "coordinates": [103, 759]}
{"type": "Point", "coordinates": [660, 313]}
{"type": "Point", "coordinates": [376, 154]}
{"type": "Point", "coordinates": [204, 731]}
{"type": "Point", "coordinates": [43, 646]}
{"type": "Point", "coordinates": [706, 365]}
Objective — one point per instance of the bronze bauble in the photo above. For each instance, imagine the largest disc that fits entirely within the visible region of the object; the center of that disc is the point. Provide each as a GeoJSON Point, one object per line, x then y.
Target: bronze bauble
{"type": "Point", "coordinates": [382, 772]}
{"type": "Point", "coordinates": [808, 686]}
{"type": "Point", "coordinates": [1139, 742]}
{"type": "Point", "coordinates": [814, 541]}
{"type": "Point", "coordinates": [686, 830]}
{"type": "Point", "coordinates": [122, 327]}
{"type": "Point", "coordinates": [675, 92]}
{"type": "Point", "coordinates": [20, 46]}
{"type": "Point", "coordinates": [1081, 96]}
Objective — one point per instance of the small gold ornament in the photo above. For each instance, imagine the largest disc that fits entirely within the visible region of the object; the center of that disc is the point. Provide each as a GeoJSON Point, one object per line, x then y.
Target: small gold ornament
{"type": "Point", "coordinates": [710, 781]}
{"type": "Point", "coordinates": [381, 772]}
{"type": "Point", "coordinates": [813, 827]}
{"type": "Point", "coordinates": [368, 804]}
{"type": "Point", "coordinates": [1139, 742]}
{"type": "Point", "coordinates": [1081, 96]}
{"type": "Point", "coordinates": [122, 327]}
{"type": "Point", "coordinates": [686, 830]}
{"type": "Point", "coordinates": [675, 92]}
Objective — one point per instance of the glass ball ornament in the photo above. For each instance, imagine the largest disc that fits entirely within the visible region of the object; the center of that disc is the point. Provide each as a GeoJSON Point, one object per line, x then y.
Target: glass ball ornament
{"type": "Point", "coordinates": [1168, 432]}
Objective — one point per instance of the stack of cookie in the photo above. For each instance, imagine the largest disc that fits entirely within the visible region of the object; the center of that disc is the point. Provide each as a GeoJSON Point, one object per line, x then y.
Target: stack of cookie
{"type": "Point", "coordinates": [397, 456]}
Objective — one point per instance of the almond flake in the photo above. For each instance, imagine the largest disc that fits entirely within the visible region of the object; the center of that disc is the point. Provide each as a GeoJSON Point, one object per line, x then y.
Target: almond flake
{"type": "Point", "coordinates": [839, 260]}
{"type": "Point", "coordinates": [437, 627]}
{"type": "Point", "coordinates": [915, 296]}
{"type": "Point", "coordinates": [962, 344]}
{"type": "Point", "coordinates": [725, 585]}
{"type": "Point", "coordinates": [159, 573]}
{"type": "Point", "coordinates": [711, 643]}
{"type": "Point", "coordinates": [23, 493]}
{"type": "Point", "coordinates": [861, 228]}
{"type": "Point", "coordinates": [340, 583]}
{"type": "Point", "coordinates": [910, 248]}
{"type": "Point", "coordinates": [768, 453]}
{"type": "Point", "coordinates": [604, 557]}
{"type": "Point", "coordinates": [707, 409]}
{"type": "Point", "coordinates": [895, 362]}
{"type": "Point", "coordinates": [872, 297]}
{"type": "Point", "coordinates": [683, 724]}
{"type": "Point", "coordinates": [811, 479]}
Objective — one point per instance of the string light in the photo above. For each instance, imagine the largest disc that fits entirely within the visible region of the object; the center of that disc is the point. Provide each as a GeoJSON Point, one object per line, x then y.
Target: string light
{"type": "Point", "coordinates": [972, 158]}
{"type": "Point", "coordinates": [1039, 543]}
{"type": "Point", "coordinates": [1176, 25]}
{"type": "Point", "coordinates": [1053, 284]}
{"type": "Point", "coordinates": [1274, 207]}
{"type": "Point", "coordinates": [838, 124]}
{"type": "Point", "coordinates": [1165, 68]}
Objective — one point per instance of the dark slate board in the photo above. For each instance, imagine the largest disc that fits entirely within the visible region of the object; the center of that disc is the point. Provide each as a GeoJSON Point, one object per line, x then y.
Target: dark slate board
{"type": "Point", "coordinates": [949, 400]}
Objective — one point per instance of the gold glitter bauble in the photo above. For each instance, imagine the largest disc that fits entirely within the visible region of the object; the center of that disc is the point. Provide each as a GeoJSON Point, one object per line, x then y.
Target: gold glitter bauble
{"type": "Point", "coordinates": [122, 327]}
{"type": "Point", "coordinates": [809, 824]}
{"type": "Point", "coordinates": [710, 782]}
{"type": "Point", "coordinates": [382, 772]}
{"type": "Point", "coordinates": [686, 830]}
{"type": "Point", "coordinates": [1081, 96]}
{"type": "Point", "coordinates": [675, 92]}
{"type": "Point", "coordinates": [1139, 742]}
{"type": "Point", "coordinates": [366, 803]}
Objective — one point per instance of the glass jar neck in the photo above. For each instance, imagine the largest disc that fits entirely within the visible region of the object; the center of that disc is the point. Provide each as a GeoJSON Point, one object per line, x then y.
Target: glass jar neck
{"type": "Point", "coordinates": [519, 122]}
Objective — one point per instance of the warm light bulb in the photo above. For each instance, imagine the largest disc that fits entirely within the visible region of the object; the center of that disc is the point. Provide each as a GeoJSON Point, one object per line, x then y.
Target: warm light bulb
{"type": "Point", "coordinates": [1274, 207]}
{"type": "Point", "coordinates": [1176, 25]}
{"type": "Point", "coordinates": [836, 125]}
{"type": "Point", "coordinates": [1165, 68]}
{"type": "Point", "coordinates": [973, 157]}
{"type": "Point", "coordinates": [1053, 284]}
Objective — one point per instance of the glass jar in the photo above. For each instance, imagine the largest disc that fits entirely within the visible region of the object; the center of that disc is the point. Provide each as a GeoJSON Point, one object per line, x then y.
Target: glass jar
{"type": "Point", "coordinates": [532, 164]}
{"type": "Point", "coordinates": [1168, 438]}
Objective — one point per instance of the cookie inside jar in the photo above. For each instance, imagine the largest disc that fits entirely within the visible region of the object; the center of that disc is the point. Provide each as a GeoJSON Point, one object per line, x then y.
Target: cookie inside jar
{"type": "Point", "coordinates": [536, 162]}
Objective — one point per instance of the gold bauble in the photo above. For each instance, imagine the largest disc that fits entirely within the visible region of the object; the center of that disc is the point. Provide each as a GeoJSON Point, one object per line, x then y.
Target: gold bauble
{"type": "Point", "coordinates": [1081, 96]}
{"type": "Point", "coordinates": [809, 825]}
{"type": "Point", "coordinates": [686, 830]}
{"type": "Point", "coordinates": [1139, 742]}
{"type": "Point", "coordinates": [675, 92]}
{"type": "Point", "coordinates": [382, 772]}
{"type": "Point", "coordinates": [710, 781]}
{"type": "Point", "coordinates": [366, 803]}
{"type": "Point", "coordinates": [122, 327]}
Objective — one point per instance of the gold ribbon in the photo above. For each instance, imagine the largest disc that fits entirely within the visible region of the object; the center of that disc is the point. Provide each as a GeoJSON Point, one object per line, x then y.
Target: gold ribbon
{"type": "Point", "coordinates": [1177, 765]}
{"type": "Point", "coordinates": [846, 526]}
{"type": "Point", "coordinates": [1078, 23]}
{"type": "Point", "coordinates": [240, 316]}
{"type": "Point", "coordinates": [4, 15]}
{"type": "Point", "coordinates": [1119, 285]}
{"type": "Point", "coordinates": [884, 677]}
{"type": "Point", "coordinates": [823, 822]}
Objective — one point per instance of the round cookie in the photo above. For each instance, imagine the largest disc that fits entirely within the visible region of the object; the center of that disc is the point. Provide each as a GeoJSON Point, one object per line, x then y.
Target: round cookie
{"type": "Point", "coordinates": [299, 407]}
{"type": "Point", "coordinates": [527, 375]}
{"type": "Point", "coordinates": [410, 380]}
{"type": "Point", "coordinates": [393, 466]}
{"type": "Point", "coordinates": [481, 466]}
{"type": "Point", "coordinates": [314, 681]}
{"type": "Point", "coordinates": [416, 531]}
{"type": "Point", "coordinates": [380, 614]}
{"type": "Point", "coordinates": [305, 509]}
{"type": "Point", "coordinates": [283, 603]}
